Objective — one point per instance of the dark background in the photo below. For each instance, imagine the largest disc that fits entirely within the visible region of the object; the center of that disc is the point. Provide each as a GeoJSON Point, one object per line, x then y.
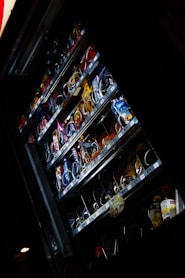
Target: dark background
{"type": "Point", "coordinates": [152, 56]}
{"type": "Point", "coordinates": [19, 225]}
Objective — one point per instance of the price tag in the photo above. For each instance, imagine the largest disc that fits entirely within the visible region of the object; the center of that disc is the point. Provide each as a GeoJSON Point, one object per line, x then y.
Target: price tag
{"type": "Point", "coordinates": [109, 146]}
{"type": "Point", "coordinates": [66, 145]}
{"type": "Point", "coordinates": [82, 77]}
{"type": "Point", "coordinates": [142, 177]}
{"type": "Point", "coordinates": [131, 123]}
{"type": "Point", "coordinates": [156, 165]}
{"type": "Point", "coordinates": [70, 185]}
{"type": "Point", "coordinates": [101, 100]}
{"type": "Point", "coordinates": [120, 134]}
{"type": "Point", "coordinates": [88, 221]}
{"type": "Point", "coordinates": [96, 58]}
{"type": "Point", "coordinates": [99, 157]}
{"type": "Point", "coordinates": [65, 191]}
{"type": "Point", "coordinates": [92, 217]}
{"type": "Point", "coordinates": [129, 186]}
{"type": "Point", "coordinates": [112, 88]}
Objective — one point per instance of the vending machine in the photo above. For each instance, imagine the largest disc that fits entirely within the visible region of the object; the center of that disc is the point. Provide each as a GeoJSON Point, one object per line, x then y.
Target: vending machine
{"type": "Point", "coordinates": [95, 130]}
